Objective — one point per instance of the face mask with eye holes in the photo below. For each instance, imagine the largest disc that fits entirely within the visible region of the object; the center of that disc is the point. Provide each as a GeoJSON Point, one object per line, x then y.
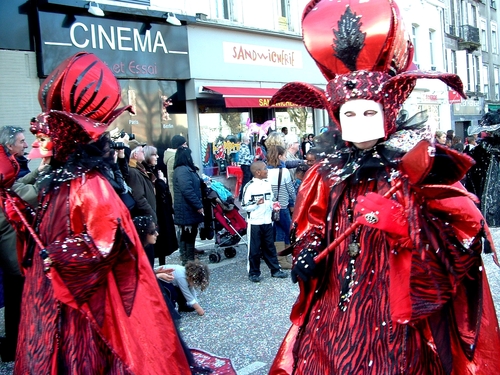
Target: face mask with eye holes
{"type": "Point", "coordinates": [362, 121]}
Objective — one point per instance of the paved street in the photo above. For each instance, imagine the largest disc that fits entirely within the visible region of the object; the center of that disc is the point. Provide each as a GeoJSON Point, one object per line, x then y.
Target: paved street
{"type": "Point", "coordinates": [245, 321]}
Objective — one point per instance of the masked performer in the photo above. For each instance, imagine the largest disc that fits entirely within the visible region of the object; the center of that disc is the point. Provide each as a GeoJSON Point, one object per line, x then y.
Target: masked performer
{"type": "Point", "coordinates": [387, 246]}
{"type": "Point", "coordinates": [482, 178]}
{"type": "Point", "coordinates": [91, 304]}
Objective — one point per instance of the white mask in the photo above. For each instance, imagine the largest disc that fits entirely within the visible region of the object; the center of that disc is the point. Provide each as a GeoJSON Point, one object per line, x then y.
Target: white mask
{"type": "Point", "coordinates": [361, 120]}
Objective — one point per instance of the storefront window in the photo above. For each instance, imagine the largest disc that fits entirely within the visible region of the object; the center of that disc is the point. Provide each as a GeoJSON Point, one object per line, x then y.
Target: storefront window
{"type": "Point", "coordinates": [298, 120]}
{"type": "Point", "coordinates": [220, 137]}
{"type": "Point", "coordinates": [221, 132]}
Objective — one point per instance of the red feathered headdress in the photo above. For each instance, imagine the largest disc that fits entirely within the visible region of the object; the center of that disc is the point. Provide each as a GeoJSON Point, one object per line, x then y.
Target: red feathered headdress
{"type": "Point", "coordinates": [79, 100]}
{"type": "Point", "coordinates": [364, 51]}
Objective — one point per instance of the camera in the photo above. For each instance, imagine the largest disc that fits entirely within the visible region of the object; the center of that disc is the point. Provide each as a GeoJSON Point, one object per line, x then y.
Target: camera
{"type": "Point", "coordinates": [131, 136]}
{"type": "Point", "coordinates": [118, 145]}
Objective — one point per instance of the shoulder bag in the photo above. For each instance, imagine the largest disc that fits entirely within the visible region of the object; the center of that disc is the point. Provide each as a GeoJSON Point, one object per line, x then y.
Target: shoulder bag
{"type": "Point", "coordinates": [276, 213]}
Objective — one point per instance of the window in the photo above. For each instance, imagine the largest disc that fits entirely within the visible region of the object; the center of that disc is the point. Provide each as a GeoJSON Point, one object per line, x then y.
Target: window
{"type": "Point", "coordinates": [473, 16]}
{"type": "Point", "coordinates": [477, 83]}
{"type": "Point", "coordinates": [486, 87]}
{"type": "Point", "coordinates": [493, 4]}
{"type": "Point", "coordinates": [497, 92]}
{"type": "Point", "coordinates": [473, 73]}
{"type": "Point", "coordinates": [494, 39]}
{"type": "Point", "coordinates": [414, 30]}
{"type": "Point", "coordinates": [284, 12]}
{"type": "Point", "coordinates": [453, 62]}
{"type": "Point", "coordinates": [484, 40]}
{"type": "Point", "coordinates": [431, 49]}
{"type": "Point", "coordinates": [223, 9]}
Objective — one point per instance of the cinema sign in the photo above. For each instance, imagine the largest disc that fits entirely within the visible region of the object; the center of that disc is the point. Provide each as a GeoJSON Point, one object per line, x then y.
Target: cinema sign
{"type": "Point", "coordinates": [128, 48]}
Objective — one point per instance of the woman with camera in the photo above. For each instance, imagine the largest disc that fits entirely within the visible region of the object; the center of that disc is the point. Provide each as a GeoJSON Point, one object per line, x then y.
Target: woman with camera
{"type": "Point", "coordinates": [142, 187]}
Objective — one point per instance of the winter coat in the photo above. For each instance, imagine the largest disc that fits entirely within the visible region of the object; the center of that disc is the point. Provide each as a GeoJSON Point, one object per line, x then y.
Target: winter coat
{"type": "Point", "coordinates": [169, 160]}
{"type": "Point", "coordinates": [143, 191]}
{"type": "Point", "coordinates": [187, 193]}
{"type": "Point", "coordinates": [166, 243]}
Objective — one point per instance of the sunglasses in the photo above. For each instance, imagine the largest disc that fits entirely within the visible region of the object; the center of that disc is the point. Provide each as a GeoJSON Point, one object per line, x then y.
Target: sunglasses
{"type": "Point", "coordinates": [153, 231]}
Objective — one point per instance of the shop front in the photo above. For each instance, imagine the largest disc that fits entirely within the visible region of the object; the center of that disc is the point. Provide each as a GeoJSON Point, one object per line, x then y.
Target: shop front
{"type": "Point", "coordinates": [208, 82]}
{"type": "Point", "coordinates": [237, 74]}
{"type": "Point", "coordinates": [467, 113]}
{"type": "Point", "coordinates": [150, 63]}
{"type": "Point", "coordinates": [431, 96]}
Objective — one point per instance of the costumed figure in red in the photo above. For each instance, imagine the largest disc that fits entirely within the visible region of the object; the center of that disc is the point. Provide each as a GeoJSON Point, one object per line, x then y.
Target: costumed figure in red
{"type": "Point", "coordinates": [91, 303]}
{"type": "Point", "coordinates": [387, 243]}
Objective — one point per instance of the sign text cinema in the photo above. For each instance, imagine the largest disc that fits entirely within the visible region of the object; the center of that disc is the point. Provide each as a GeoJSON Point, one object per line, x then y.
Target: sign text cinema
{"type": "Point", "coordinates": [116, 38]}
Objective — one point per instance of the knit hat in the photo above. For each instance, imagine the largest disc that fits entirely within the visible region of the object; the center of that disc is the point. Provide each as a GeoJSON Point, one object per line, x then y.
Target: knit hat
{"type": "Point", "coordinates": [371, 59]}
{"type": "Point", "coordinates": [178, 141]}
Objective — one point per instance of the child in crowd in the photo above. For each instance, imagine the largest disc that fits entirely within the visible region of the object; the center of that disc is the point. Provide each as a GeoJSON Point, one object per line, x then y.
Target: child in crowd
{"type": "Point", "coordinates": [258, 203]}
{"type": "Point", "coordinates": [299, 176]}
{"type": "Point", "coordinates": [186, 280]}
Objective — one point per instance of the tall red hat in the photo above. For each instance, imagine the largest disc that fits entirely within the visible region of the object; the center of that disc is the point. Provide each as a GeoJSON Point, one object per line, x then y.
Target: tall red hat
{"type": "Point", "coordinates": [363, 50]}
{"type": "Point", "coordinates": [79, 100]}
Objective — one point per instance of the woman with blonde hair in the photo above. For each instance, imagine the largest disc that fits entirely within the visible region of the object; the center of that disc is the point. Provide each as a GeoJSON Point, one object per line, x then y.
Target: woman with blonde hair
{"type": "Point", "coordinates": [284, 192]}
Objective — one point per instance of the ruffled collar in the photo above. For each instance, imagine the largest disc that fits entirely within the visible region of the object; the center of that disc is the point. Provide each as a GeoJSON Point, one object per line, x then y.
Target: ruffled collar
{"type": "Point", "coordinates": [385, 156]}
{"type": "Point", "coordinates": [86, 158]}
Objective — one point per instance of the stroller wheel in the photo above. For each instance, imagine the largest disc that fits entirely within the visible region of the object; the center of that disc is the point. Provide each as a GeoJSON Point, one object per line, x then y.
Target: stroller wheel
{"type": "Point", "coordinates": [214, 258]}
{"type": "Point", "coordinates": [230, 252]}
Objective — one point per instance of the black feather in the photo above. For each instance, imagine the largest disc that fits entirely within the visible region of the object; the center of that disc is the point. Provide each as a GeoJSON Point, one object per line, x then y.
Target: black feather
{"type": "Point", "coordinates": [348, 40]}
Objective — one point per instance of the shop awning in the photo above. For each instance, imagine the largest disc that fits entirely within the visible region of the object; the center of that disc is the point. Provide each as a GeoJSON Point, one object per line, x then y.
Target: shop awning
{"type": "Point", "coordinates": [493, 107]}
{"type": "Point", "coordinates": [245, 97]}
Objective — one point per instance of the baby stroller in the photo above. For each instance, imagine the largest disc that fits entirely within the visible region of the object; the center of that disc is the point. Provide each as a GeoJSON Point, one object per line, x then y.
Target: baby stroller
{"type": "Point", "coordinates": [222, 221]}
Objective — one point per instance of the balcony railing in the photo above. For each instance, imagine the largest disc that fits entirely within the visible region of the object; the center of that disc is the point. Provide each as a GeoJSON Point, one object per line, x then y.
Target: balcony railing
{"type": "Point", "coordinates": [468, 38]}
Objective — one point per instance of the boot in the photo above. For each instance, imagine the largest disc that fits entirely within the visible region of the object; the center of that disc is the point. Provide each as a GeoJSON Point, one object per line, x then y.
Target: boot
{"type": "Point", "coordinates": [13, 290]}
{"type": "Point", "coordinates": [189, 252]}
{"type": "Point", "coordinates": [182, 252]}
{"type": "Point", "coordinates": [283, 260]}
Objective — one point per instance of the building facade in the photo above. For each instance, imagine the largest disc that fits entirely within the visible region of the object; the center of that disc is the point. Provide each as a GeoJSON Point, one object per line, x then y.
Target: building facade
{"type": "Point", "coordinates": [472, 51]}
{"type": "Point", "coordinates": [175, 75]}
{"type": "Point", "coordinates": [210, 73]}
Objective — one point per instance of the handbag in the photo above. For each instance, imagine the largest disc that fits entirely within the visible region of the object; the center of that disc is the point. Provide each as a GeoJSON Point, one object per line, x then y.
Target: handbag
{"type": "Point", "coordinates": [276, 213]}
{"type": "Point", "coordinates": [128, 199]}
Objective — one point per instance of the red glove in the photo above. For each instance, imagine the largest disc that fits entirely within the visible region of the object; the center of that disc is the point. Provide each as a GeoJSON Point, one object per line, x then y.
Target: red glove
{"type": "Point", "coordinates": [8, 201]}
{"type": "Point", "coordinates": [375, 211]}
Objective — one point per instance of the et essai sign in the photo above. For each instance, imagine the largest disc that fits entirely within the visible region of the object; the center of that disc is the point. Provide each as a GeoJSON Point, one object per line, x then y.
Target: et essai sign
{"type": "Point", "coordinates": [127, 47]}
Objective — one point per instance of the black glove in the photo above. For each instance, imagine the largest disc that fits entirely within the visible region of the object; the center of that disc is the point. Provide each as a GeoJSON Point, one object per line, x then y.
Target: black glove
{"type": "Point", "coordinates": [304, 266]}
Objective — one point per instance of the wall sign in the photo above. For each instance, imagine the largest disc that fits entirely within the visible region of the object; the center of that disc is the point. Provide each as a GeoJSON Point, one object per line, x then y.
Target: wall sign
{"type": "Point", "coordinates": [237, 53]}
{"type": "Point", "coordinates": [127, 47]}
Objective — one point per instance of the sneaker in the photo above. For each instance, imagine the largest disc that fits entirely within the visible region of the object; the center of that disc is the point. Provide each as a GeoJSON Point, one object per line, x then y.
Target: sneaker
{"type": "Point", "coordinates": [280, 275]}
{"type": "Point", "coordinates": [254, 278]}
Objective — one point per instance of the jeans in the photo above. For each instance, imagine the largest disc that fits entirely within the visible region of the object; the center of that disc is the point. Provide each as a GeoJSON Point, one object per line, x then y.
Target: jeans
{"type": "Point", "coordinates": [282, 227]}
